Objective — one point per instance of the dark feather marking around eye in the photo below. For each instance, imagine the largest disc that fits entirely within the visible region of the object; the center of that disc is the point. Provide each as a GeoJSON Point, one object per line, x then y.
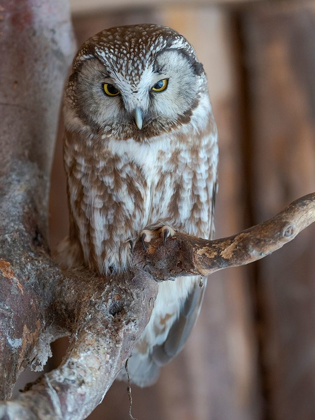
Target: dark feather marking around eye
{"type": "Point", "coordinates": [73, 77]}
{"type": "Point", "coordinates": [159, 69]}
{"type": "Point", "coordinates": [195, 65]}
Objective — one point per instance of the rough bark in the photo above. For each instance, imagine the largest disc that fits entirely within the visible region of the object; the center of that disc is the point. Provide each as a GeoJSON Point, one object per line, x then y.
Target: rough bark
{"type": "Point", "coordinates": [103, 317]}
{"type": "Point", "coordinates": [36, 47]}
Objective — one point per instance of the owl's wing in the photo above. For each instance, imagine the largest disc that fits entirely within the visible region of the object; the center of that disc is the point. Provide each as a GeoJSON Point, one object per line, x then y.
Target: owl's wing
{"type": "Point", "coordinates": [181, 328]}
{"type": "Point", "coordinates": [144, 367]}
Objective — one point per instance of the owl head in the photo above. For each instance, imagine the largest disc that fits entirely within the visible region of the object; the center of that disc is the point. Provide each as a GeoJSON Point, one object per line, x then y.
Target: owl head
{"type": "Point", "coordinates": [134, 82]}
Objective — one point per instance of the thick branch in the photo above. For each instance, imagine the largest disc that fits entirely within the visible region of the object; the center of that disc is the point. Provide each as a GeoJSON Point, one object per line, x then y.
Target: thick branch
{"type": "Point", "coordinates": [184, 254]}
{"type": "Point", "coordinates": [107, 319]}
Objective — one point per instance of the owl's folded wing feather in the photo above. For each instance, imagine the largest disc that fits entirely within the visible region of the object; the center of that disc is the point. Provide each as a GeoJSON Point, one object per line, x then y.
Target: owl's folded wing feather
{"type": "Point", "coordinates": [144, 367]}
{"type": "Point", "coordinates": [181, 328]}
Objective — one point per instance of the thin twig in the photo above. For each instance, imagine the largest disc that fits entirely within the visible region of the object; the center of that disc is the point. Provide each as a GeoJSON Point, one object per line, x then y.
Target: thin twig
{"type": "Point", "coordinates": [129, 391]}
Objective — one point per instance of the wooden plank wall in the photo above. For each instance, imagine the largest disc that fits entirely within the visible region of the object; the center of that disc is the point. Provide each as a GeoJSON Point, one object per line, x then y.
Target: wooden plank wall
{"type": "Point", "coordinates": [82, 6]}
{"type": "Point", "coordinates": [279, 49]}
{"type": "Point", "coordinates": [252, 353]}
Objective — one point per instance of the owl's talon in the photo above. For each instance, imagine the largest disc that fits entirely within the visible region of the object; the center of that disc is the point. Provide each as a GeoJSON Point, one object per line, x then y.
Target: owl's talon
{"type": "Point", "coordinates": [143, 236]}
{"type": "Point", "coordinates": [147, 235]}
{"type": "Point", "coordinates": [166, 234]}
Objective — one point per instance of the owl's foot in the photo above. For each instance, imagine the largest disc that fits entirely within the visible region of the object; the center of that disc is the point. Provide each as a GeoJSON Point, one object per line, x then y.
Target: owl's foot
{"type": "Point", "coordinates": [147, 235]}
{"type": "Point", "coordinates": [167, 232]}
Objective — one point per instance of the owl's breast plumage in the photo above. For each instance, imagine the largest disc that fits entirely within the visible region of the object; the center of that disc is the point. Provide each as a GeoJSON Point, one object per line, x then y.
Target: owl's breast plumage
{"type": "Point", "coordinates": [118, 188]}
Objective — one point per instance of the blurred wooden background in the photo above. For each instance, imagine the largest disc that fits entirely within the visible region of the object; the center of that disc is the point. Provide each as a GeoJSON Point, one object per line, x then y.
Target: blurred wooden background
{"type": "Point", "coordinates": [252, 353]}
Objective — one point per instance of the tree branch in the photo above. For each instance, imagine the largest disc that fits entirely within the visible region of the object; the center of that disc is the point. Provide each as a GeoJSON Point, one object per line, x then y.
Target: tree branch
{"type": "Point", "coordinates": [186, 255]}
{"type": "Point", "coordinates": [103, 317]}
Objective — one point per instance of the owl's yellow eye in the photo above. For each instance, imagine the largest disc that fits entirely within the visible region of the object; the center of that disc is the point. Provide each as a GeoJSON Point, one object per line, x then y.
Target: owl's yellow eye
{"type": "Point", "coordinates": [160, 85]}
{"type": "Point", "coordinates": [110, 90]}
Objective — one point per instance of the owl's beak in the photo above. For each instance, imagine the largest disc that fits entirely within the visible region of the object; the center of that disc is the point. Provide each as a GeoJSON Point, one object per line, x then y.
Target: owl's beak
{"type": "Point", "coordinates": [138, 117]}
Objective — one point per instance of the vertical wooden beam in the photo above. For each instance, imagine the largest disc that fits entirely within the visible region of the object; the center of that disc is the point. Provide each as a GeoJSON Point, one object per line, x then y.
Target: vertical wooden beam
{"type": "Point", "coordinates": [280, 56]}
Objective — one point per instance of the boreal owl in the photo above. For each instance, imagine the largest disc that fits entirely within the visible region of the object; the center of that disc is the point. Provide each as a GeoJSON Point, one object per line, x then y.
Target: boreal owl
{"type": "Point", "coordinates": [140, 153]}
